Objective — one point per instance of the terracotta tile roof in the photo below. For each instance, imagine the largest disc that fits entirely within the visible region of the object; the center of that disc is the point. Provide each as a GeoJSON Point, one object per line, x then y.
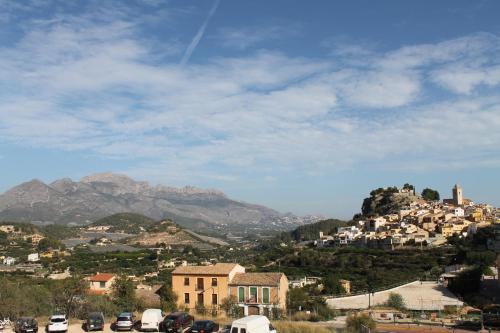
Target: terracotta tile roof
{"type": "Point", "coordinates": [101, 277]}
{"type": "Point", "coordinates": [217, 269]}
{"type": "Point", "coordinates": [256, 279]}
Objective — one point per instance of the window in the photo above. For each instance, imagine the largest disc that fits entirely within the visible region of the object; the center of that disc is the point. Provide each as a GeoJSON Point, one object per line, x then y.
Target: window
{"type": "Point", "coordinates": [214, 282]}
{"type": "Point", "coordinates": [199, 284]}
{"type": "Point", "coordinates": [186, 281]}
{"type": "Point", "coordinates": [102, 284]}
{"type": "Point", "coordinates": [201, 299]}
{"type": "Point", "coordinates": [253, 294]}
{"type": "Point", "coordinates": [214, 299]}
{"type": "Point", "coordinates": [265, 295]}
{"type": "Point", "coordinates": [234, 330]}
{"type": "Point", "coordinates": [243, 330]}
{"type": "Point", "coordinates": [241, 294]}
{"type": "Point", "coordinates": [186, 298]}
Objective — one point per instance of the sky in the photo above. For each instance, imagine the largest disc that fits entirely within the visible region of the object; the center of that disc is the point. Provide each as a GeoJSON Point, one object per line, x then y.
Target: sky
{"type": "Point", "coordinates": [303, 106]}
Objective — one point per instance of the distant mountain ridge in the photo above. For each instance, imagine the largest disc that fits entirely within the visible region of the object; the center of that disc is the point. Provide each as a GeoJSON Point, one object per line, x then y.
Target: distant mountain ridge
{"type": "Point", "coordinates": [96, 196]}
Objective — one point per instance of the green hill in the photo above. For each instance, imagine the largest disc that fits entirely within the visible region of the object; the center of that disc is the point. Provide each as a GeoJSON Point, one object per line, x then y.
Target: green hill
{"type": "Point", "coordinates": [129, 223]}
{"type": "Point", "coordinates": [311, 231]}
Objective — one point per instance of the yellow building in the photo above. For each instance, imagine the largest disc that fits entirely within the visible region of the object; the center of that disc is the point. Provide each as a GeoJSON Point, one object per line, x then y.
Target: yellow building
{"type": "Point", "coordinates": [207, 285]}
{"type": "Point", "coordinates": [256, 293]}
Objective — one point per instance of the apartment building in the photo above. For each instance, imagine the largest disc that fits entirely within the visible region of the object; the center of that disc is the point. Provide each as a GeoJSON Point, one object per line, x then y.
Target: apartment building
{"type": "Point", "coordinates": [208, 286]}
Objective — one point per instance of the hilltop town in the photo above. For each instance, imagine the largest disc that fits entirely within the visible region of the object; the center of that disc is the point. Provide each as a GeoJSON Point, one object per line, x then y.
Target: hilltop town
{"type": "Point", "coordinates": [413, 221]}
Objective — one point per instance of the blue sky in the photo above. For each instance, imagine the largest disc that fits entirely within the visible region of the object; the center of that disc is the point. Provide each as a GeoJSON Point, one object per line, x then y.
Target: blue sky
{"type": "Point", "coordinates": [302, 106]}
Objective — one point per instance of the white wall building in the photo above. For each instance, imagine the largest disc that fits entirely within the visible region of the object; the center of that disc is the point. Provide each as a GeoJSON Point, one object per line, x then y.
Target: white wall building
{"type": "Point", "coordinates": [9, 261]}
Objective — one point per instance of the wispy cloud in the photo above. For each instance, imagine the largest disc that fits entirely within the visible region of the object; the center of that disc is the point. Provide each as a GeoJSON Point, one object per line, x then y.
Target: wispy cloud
{"type": "Point", "coordinates": [95, 86]}
{"type": "Point", "coordinates": [199, 35]}
{"type": "Point", "coordinates": [245, 37]}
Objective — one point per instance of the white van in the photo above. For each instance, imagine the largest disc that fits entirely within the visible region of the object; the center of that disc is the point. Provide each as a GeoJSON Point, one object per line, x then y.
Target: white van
{"type": "Point", "coordinates": [151, 320]}
{"type": "Point", "coordinates": [252, 324]}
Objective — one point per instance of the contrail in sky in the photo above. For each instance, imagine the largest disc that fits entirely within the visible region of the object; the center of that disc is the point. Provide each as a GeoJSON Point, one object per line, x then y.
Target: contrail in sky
{"type": "Point", "coordinates": [196, 40]}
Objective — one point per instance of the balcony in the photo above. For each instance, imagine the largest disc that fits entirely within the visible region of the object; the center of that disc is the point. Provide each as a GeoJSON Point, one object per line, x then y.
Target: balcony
{"type": "Point", "coordinates": [251, 300]}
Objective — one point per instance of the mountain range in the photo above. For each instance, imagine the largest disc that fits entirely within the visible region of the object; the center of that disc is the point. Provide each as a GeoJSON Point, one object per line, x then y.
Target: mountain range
{"type": "Point", "coordinates": [65, 201]}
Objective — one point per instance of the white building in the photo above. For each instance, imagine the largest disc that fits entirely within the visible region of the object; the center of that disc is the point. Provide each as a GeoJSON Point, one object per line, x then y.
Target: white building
{"type": "Point", "coordinates": [34, 257]}
{"type": "Point", "coordinates": [9, 261]}
{"type": "Point", "coordinates": [459, 212]}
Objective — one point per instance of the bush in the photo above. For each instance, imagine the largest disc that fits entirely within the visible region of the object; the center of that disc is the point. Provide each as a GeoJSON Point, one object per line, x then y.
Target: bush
{"type": "Point", "coordinates": [355, 322]}
{"type": "Point", "coordinates": [395, 301]}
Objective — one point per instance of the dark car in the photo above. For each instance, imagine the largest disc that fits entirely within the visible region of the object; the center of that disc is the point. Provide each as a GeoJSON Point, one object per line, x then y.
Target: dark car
{"type": "Point", "coordinates": [176, 322]}
{"type": "Point", "coordinates": [204, 326]}
{"type": "Point", "coordinates": [26, 325]}
{"type": "Point", "coordinates": [95, 322]}
{"type": "Point", "coordinates": [125, 321]}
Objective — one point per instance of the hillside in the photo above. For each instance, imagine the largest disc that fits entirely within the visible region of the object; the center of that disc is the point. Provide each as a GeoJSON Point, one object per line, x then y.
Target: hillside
{"type": "Point", "coordinates": [94, 197]}
{"type": "Point", "coordinates": [130, 223]}
{"type": "Point", "coordinates": [311, 231]}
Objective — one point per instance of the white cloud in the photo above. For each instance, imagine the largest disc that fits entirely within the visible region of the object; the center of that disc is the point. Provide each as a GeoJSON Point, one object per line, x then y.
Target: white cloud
{"type": "Point", "coordinates": [96, 87]}
{"type": "Point", "coordinates": [246, 37]}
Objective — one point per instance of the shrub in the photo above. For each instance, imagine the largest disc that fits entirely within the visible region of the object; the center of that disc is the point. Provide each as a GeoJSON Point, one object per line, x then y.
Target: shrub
{"type": "Point", "coordinates": [396, 301]}
{"type": "Point", "coordinates": [355, 322]}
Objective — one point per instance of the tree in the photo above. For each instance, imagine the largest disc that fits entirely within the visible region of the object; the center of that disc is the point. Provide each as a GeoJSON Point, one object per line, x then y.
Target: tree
{"type": "Point", "coordinates": [230, 306]}
{"type": "Point", "coordinates": [430, 194]}
{"type": "Point", "coordinates": [355, 322]}
{"type": "Point", "coordinates": [332, 285]}
{"type": "Point", "coordinates": [396, 301]}
{"type": "Point", "coordinates": [65, 294]}
{"type": "Point", "coordinates": [168, 298]}
{"type": "Point", "coordinates": [123, 293]}
{"type": "Point", "coordinates": [49, 243]}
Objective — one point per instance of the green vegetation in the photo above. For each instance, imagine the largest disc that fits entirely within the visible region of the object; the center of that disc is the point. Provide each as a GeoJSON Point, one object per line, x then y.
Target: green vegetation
{"type": "Point", "coordinates": [361, 266]}
{"type": "Point", "coordinates": [311, 231]}
{"type": "Point", "coordinates": [49, 243]}
{"type": "Point", "coordinates": [123, 294]}
{"type": "Point", "coordinates": [395, 301]}
{"type": "Point", "coordinates": [168, 297]}
{"type": "Point", "coordinates": [127, 222]}
{"type": "Point", "coordinates": [59, 231]}
{"type": "Point", "coordinates": [87, 262]}
{"type": "Point", "coordinates": [430, 194]}
{"type": "Point", "coordinates": [356, 322]}
{"type": "Point", "coordinates": [299, 300]}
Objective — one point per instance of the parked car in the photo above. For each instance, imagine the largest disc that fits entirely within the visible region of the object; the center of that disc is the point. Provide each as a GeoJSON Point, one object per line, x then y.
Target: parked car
{"type": "Point", "coordinates": [204, 326]}
{"type": "Point", "coordinates": [151, 320]}
{"type": "Point", "coordinates": [57, 323]}
{"type": "Point", "coordinates": [95, 322]}
{"type": "Point", "coordinates": [176, 322]}
{"type": "Point", "coordinates": [125, 321]}
{"type": "Point", "coordinates": [252, 324]}
{"type": "Point", "coordinates": [26, 325]}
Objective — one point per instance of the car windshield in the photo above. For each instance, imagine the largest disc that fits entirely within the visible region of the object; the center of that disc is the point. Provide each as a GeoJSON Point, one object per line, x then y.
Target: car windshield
{"type": "Point", "coordinates": [58, 320]}
{"type": "Point", "coordinates": [27, 321]}
{"type": "Point", "coordinates": [123, 318]}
